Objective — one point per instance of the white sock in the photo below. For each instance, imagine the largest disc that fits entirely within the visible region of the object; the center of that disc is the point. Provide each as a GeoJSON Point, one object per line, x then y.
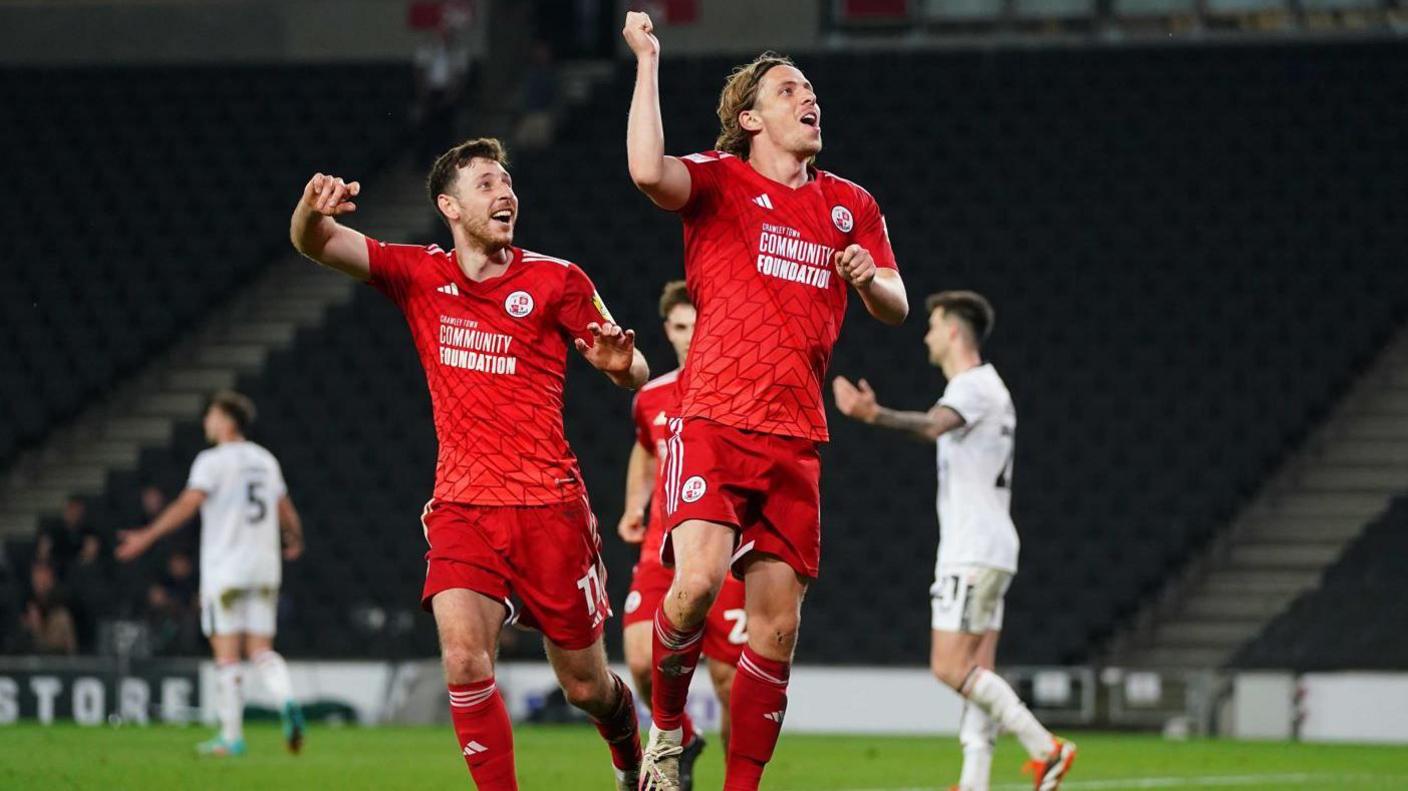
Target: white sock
{"type": "Point", "coordinates": [273, 671]}
{"type": "Point", "coordinates": [991, 694]}
{"type": "Point", "coordinates": [978, 734]}
{"type": "Point", "coordinates": [229, 701]}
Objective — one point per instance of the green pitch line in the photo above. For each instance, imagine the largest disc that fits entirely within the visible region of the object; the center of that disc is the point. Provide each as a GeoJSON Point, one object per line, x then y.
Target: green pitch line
{"type": "Point", "coordinates": [567, 757]}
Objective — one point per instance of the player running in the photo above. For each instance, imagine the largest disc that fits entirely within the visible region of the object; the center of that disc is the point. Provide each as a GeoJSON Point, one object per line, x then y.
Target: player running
{"type": "Point", "coordinates": [771, 246]}
{"type": "Point", "coordinates": [725, 629]}
{"type": "Point", "coordinates": [975, 426]}
{"type": "Point", "coordinates": [510, 530]}
{"type": "Point", "coordinates": [245, 515]}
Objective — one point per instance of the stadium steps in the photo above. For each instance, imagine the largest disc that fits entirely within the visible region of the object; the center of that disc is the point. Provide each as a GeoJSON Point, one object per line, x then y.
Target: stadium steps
{"type": "Point", "coordinates": [236, 339]}
{"type": "Point", "coordinates": [1278, 548]}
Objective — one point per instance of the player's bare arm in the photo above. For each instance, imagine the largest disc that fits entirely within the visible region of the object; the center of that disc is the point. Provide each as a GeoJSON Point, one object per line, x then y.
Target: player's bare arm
{"type": "Point", "coordinates": [132, 543]}
{"type": "Point", "coordinates": [665, 180]}
{"type": "Point", "coordinates": [290, 529]}
{"type": "Point", "coordinates": [640, 480]}
{"type": "Point", "coordinates": [316, 233]}
{"type": "Point", "coordinates": [857, 401]}
{"type": "Point", "coordinates": [882, 290]}
{"type": "Point", "coordinates": [613, 352]}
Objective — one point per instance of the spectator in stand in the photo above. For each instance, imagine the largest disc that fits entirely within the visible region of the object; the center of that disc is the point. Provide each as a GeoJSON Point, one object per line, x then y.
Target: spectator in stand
{"type": "Point", "coordinates": [58, 543]}
{"type": "Point", "coordinates": [89, 585]}
{"type": "Point", "coordinates": [538, 103]}
{"type": "Point", "coordinates": [442, 72]}
{"type": "Point", "coordinates": [153, 500]}
{"type": "Point", "coordinates": [180, 580]}
{"type": "Point", "coordinates": [172, 629]}
{"type": "Point", "coordinates": [46, 624]}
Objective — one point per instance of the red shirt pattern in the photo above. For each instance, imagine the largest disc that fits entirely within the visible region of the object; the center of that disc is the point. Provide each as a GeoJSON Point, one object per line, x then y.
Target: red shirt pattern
{"type": "Point", "coordinates": [495, 359]}
{"type": "Point", "coordinates": [760, 269]}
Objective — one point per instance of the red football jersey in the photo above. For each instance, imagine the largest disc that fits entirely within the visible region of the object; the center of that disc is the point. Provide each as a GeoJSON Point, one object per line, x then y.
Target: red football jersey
{"type": "Point", "coordinates": [656, 401]}
{"type": "Point", "coordinates": [758, 258]}
{"type": "Point", "coordinates": [495, 357]}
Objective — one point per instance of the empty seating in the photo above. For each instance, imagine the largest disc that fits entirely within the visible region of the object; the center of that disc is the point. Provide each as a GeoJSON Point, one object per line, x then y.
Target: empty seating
{"type": "Point", "coordinates": [1348, 622]}
{"type": "Point", "coordinates": [150, 195]}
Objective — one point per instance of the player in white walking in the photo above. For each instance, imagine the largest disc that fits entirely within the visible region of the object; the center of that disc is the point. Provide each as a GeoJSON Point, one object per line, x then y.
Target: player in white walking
{"type": "Point", "coordinates": [245, 516]}
{"type": "Point", "coordinates": [975, 426]}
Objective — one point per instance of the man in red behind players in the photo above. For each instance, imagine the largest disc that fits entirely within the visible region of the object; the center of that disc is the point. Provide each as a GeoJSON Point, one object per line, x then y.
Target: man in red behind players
{"type": "Point", "coordinates": [772, 246]}
{"type": "Point", "coordinates": [726, 628]}
{"type": "Point", "coordinates": [510, 530]}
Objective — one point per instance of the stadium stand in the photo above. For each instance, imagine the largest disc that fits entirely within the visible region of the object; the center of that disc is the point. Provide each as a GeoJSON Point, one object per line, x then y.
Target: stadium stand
{"type": "Point", "coordinates": [1342, 624]}
{"type": "Point", "coordinates": [152, 199]}
{"type": "Point", "coordinates": [1091, 195]}
{"type": "Point", "coordinates": [1161, 323]}
{"type": "Point", "coordinates": [1118, 18]}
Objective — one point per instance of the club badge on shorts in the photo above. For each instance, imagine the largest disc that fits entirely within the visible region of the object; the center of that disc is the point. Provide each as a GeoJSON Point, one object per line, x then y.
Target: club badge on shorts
{"type": "Point", "coordinates": [693, 489]}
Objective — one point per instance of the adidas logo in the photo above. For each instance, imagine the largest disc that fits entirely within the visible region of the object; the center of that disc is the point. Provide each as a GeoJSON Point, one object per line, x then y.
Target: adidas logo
{"type": "Point", "coordinates": [475, 748]}
{"type": "Point", "coordinates": [764, 201]}
{"type": "Point", "coordinates": [775, 716]}
{"type": "Point", "coordinates": [449, 288]}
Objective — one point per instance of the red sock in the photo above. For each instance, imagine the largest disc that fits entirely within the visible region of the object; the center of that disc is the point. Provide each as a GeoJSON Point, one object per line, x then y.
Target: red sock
{"type": "Point", "coordinates": [486, 736]}
{"type": "Point", "coordinates": [757, 705]}
{"type": "Point", "coordinates": [620, 729]}
{"type": "Point", "coordinates": [674, 655]}
{"type": "Point", "coordinates": [688, 725]}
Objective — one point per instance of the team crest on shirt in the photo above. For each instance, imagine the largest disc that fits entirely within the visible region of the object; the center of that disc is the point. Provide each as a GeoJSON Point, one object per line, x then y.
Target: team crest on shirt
{"type": "Point", "coordinates": [841, 217]}
{"type": "Point", "coordinates": [519, 304]}
{"type": "Point", "coordinates": [693, 489]}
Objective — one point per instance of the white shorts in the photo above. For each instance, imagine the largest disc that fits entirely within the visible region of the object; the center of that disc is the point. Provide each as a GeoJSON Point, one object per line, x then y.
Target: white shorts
{"type": "Point", "coordinates": [240, 611]}
{"type": "Point", "coordinates": [969, 598]}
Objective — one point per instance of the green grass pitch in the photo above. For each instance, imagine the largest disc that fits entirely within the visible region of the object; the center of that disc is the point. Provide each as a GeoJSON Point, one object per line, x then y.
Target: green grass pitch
{"type": "Point", "coordinates": [566, 757]}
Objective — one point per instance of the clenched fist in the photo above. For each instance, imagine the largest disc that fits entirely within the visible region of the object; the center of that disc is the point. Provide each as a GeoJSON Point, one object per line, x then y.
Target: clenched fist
{"type": "Point", "coordinates": [639, 34]}
{"type": "Point", "coordinates": [329, 195]}
{"type": "Point", "coordinates": [855, 265]}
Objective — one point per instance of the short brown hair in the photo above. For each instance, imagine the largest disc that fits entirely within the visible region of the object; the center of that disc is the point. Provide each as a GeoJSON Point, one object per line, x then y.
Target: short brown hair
{"type": "Point", "coordinates": [740, 93]}
{"type": "Point", "coordinates": [237, 405]}
{"type": "Point", "coordinates": [447, 166]}
{"type": "Point", "coordinates": [676, 293]}
{"type": "Point", "coordinates": [970, 307]}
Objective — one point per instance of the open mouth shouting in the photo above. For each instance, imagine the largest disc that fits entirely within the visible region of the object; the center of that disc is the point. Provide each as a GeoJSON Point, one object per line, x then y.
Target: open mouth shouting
{"type": "Point", "coordinates": [502, 218]}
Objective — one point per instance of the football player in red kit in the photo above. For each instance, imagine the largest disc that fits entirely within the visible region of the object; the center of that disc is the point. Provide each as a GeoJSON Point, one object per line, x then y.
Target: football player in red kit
{"type": "Point", "coordinates": [510, 530]}
{"type": "Point", "coordinates": [773, 247]}
{"type": "Point", "coordinates": [725, 629]}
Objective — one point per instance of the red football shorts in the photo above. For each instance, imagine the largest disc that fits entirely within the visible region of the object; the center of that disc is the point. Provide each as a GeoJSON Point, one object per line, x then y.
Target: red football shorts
{"type": "Point", "coordinates": [543, 562]}
{"type": "Point", "coordinates": [726, 628]}
{"type": "Point", "coordinates": [766, 486]}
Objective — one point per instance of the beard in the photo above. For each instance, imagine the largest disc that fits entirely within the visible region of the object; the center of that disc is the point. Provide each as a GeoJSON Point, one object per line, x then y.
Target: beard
{"type": "Point", "coordinates": [487, 235]}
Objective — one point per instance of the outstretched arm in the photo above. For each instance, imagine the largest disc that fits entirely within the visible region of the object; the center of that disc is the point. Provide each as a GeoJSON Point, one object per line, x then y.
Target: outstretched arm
{"type": "Point", "coordinates": [290, 529]}
{"type": "Point", "coordinates": [640, 480]}
{"type": "Point", "coordinates": [613, 352]}
{"type": "Point", "coordinates": [858, 403]}
{"type": "Point", "coordinates": [665, 180]}
{"type": "Point", "coordinates": [316, 233]}
{"type": "Point", "coordinates": [132, 543]}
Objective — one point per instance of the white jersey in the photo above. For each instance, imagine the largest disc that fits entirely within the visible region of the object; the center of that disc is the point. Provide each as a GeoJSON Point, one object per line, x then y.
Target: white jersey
{"type": "Point", "coordinates": [975, 473]}
{"type": "Point", "coordinates": [239, 520]}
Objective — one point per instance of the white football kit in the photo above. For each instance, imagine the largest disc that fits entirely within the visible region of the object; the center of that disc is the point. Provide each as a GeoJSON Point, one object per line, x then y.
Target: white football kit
{"type": "Point", "coordinates": [977, 541]}
{"type": "Point", "coordinates": [240, 562]}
